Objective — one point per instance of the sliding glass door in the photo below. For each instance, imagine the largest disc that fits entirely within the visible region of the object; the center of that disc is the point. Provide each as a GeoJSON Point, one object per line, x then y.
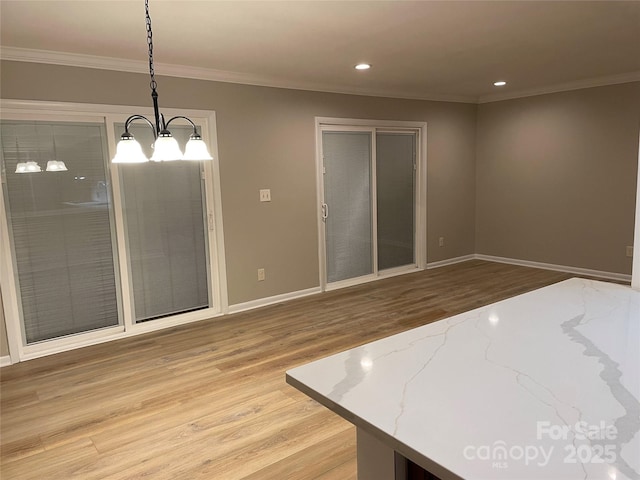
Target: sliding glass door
{"type": "Point", "coordinates": [368, 202]}
{"type": "Point", "coordinates": [61, 225]}
{"type": "Point", "coordinates": [165, 215]}
{"type": "Point", "coordinates": [348, 206]}
{"type": "Point", "coordinates": [396, 198]}
{"type": "Point", "coordinates": [92, 251]}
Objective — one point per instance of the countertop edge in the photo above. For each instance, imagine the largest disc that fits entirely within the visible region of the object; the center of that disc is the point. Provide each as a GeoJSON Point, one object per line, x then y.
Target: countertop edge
{"type": "Point", "coordinates": [407, 452]}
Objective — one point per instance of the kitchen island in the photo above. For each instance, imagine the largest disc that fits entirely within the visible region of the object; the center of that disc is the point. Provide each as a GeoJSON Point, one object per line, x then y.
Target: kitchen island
{"type": "Point", "coordinates": [545, 385]}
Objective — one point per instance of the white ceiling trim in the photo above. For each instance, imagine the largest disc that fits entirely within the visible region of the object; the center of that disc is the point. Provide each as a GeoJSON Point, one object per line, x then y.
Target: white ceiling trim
{"type": "Point", "coordinates": [198, 73]}
{"type": "Point", "coordinates": [564, 87]}
{"type": "Point", "coordinates": [71, 59]}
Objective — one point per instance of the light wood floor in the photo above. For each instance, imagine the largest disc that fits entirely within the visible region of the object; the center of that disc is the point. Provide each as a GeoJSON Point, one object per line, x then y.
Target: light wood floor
{"type": "Point", "coordinates": [209, 400]}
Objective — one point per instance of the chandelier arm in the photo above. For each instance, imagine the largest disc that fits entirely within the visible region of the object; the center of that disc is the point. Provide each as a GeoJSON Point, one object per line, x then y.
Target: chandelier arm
{"type": "Point", "coordinates": [132, 118]}
{"type": "Point", "coordinates": [195, 128]}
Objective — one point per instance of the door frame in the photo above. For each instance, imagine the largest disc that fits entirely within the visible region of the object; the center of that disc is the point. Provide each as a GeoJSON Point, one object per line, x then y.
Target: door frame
{"type": "Point", "coordinates": [375, 126]}
{"type": "Point", "coordinates": [635, 270]}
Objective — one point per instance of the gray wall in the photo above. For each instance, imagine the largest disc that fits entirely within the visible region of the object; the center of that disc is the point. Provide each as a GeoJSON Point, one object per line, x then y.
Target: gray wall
{"type": "Point", "coordinates": [550, 178]}
{"type": "Point", "coordinates": [266, 139]}
{"type": "Point", "coordinates": [556, 177]}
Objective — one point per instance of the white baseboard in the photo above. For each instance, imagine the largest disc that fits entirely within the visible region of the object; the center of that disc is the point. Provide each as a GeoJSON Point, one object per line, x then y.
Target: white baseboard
{"type": "Point", "coordinates": [5, 361]}
{"type": "Point", "coordinates": [263, 302]}
{"type": "Point", "coordinates": [451, 261]}
{"type": "Point", "coordinates": [558, 268]}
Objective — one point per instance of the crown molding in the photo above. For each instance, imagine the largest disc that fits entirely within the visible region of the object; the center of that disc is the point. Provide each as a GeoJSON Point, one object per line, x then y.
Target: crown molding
{"type": "Point", "coordinates": [29, 55]}
{"type": "Point", "coordinates": [198, 73]}
{"type": "Point", "coordinates": [563, 87]}
{"type": "Point", "coordinates": [17, 54]}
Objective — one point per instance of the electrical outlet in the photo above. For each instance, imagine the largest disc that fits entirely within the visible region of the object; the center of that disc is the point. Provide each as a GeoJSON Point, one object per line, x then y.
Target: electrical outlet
{"type": "Point", "coordinates": [441, 242]}
{"type": "Point", "coordinates": [629, 251]}
{"type": "Point", "coordinates": [265, 195]}
{"type": "Point", "coordinates": [261, 274]}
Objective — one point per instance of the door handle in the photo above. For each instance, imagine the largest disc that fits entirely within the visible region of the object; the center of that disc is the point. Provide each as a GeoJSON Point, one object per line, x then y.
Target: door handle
{"type": "Point", "coordinates": [325, 212]}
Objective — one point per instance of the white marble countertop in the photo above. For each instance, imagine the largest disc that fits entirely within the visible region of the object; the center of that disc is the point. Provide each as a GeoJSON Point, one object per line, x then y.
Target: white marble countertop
{"type": "Point", "coordinates": [545, 385]}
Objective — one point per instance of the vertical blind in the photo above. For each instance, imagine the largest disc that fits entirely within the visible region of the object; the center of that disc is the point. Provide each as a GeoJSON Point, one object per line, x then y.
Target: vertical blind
{"type": "Point", "coordinates": [347, 190]}
{"type": "Point", "coordinates": [166, 239]}
{"type": "Point", "coordinates": [61, 228]}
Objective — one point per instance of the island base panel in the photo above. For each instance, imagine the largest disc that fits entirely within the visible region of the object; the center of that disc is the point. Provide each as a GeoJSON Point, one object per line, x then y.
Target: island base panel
{"type": "Point", "coordinates": [377, 461]}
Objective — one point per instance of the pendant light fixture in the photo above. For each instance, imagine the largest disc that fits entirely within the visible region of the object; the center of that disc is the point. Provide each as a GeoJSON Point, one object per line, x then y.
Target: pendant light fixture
{"type": "Point", "coordinates": [28, 167]}
{"type": "Point", "coordinates": [25, 167]}
{"type": "Point", "coordinates": [165, 147]}
{"type": "Point", "coordinates": [55, 165]}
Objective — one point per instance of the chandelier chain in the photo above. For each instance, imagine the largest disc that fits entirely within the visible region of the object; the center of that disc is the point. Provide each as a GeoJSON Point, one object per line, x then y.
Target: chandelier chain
{"type": "Point", "coordinates": [153, 83]}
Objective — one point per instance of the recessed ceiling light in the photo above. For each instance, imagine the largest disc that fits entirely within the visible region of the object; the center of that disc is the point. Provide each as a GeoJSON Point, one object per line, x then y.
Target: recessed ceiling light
{"type": "Point", "coordinates": [500, 83]}
{"type": "Point", "coordinates": [363, 66]}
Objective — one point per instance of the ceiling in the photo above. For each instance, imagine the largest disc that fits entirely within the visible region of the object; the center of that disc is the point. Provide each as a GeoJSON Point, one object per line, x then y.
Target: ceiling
{"type": "Point", "coordinates": [448, 50]}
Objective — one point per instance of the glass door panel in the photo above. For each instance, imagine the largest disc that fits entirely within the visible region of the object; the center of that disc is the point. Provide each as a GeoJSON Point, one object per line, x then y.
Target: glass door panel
{"type": "Point", "coordinates": [165, 218]}
{"type": "Point", "coordinates": [395, 183]}
{"type": "Point", "coordinates": [60, 227]}
{"type": "Point", "coordinates": [348, 204]}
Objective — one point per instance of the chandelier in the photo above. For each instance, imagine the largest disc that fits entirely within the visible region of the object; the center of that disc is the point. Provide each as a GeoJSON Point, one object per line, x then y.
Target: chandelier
{"type": "Point", "coordinates": [165, 147]}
